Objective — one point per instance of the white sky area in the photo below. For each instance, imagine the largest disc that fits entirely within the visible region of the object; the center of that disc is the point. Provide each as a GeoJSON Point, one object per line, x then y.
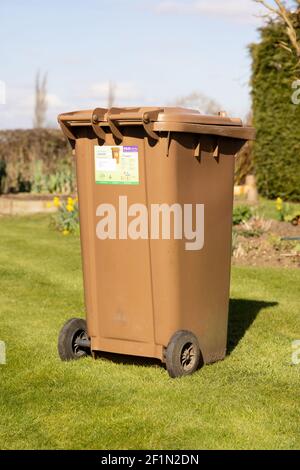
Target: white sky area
{"type": "Point", "coordinates": [154, 51]}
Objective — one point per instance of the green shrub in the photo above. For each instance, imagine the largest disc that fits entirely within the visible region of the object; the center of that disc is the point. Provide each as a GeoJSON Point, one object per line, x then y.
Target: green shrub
{"type": "Point", "coordinates": [37, 160]}
{"type": "Point", "coordinates": [2, 175]}
{"type": "Point", "coordinates": [244, 164]}
{"type": "Point", "coordinates": [38, 180]}
{"type": "Point", "coordinates": [244, 159]}
{"type": "Point", "coordinates": [62, 181]}
{"type": "Point", "coordinates": [241, 214]}
{"type": "Point", "coordinates": [276, 118]}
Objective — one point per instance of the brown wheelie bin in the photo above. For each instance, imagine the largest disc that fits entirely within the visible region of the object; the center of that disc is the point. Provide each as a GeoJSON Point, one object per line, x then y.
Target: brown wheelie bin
{"type": "Point", "coordinates": [155, 189]}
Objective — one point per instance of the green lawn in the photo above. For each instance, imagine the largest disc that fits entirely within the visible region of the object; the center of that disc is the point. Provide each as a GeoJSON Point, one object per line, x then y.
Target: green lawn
{"type": "Point", "coordinates": [250, 400]}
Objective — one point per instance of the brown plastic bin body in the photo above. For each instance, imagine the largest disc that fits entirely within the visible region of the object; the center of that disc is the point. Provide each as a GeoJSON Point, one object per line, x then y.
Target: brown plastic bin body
{"type": "Point", "coordinates": [139, 293]}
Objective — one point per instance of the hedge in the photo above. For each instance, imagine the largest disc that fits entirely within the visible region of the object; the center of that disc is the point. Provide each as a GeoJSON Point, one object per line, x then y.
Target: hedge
{"type": "Point", "coordinates": [276, 118]}
{"type": "Point", "coordinates": [36, 160]}
{"type": "Point", "coordinates": [244, 161]}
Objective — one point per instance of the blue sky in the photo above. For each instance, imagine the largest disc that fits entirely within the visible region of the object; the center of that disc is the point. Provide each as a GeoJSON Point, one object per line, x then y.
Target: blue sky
{"type": "Point", "coordinates": [154, 51]}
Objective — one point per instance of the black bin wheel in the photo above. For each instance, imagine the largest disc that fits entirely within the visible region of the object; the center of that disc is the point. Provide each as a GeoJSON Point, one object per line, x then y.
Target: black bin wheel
{"type": "Point", "coordinates": [68, 349]}
{"type": "Point", "coordinates": [183, 355]}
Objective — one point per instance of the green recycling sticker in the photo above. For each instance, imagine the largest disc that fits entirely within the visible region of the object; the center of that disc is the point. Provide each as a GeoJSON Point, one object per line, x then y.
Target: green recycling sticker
{"type": "Point", "coordinates": [116, 164]}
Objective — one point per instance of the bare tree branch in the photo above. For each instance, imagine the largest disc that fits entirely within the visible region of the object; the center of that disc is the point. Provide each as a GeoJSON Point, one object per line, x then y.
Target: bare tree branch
{"type": "Point", "coordinates": [283, 13]}
{"type": "Point", "coordinates": [111, 94]}
{"type": "Point", "coordinates": [40, 101]}
{"type": "Point", "coordinates": [198, 101]}
{"type": "Point", "coordinates": [268, 6]}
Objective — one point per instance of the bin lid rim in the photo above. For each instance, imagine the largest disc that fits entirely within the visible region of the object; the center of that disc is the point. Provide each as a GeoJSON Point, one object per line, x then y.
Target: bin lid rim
{"type": "Point", "coordinates": [156, 114]}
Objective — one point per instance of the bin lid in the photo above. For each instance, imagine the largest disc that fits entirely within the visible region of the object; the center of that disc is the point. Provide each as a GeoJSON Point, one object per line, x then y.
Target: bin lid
{"type": "Point", "coordinates": [192, 116]}
{"type": "Point", "coordinates": [160, 119]}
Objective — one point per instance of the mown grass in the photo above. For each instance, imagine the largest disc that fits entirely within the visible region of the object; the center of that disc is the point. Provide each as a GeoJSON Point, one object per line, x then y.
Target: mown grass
{"type": "Point", "coordinates": [250, 400]}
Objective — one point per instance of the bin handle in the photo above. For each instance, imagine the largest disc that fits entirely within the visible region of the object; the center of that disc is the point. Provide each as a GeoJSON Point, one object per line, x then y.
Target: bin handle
{"type": "Point", "coordinates": [97, 116]}
{"type": "Point", "coordinates": [66, 128]}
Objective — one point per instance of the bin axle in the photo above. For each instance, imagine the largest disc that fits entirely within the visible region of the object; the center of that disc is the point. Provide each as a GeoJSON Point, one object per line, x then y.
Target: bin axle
{"type": "Point", "coordinates": [83, 343]}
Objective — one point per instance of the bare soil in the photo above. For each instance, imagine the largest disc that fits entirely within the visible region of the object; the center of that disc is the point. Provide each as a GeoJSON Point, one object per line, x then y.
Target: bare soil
{"type": "Point", "coordinates": [268, 248]}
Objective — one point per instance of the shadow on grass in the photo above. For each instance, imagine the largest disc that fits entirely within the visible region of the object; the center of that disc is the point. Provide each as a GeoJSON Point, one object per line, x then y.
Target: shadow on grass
{"type": "Point", "coordinates": [242, 314]}
{"type": "Point", "coordinates": [130, 360]}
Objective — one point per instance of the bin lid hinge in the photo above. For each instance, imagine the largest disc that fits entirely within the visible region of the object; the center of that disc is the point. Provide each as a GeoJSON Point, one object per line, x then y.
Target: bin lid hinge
{"type": "Point", "coordinates": [115, 130]}
{"type": "Point", "coordinates": [148, 118]}
{"type": "Point", "coordinates": [98, 116]}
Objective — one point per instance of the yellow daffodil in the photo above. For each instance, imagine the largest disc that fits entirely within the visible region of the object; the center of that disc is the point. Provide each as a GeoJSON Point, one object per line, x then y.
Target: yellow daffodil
{"type": "Point", "coordinates": [56, 201]}
{"type": "Point", "coordinates": [66, 232]}
{"type": "Point", "coordinates": [70, 207]}
{"type": "Point", "coordinates": [279, 204]}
